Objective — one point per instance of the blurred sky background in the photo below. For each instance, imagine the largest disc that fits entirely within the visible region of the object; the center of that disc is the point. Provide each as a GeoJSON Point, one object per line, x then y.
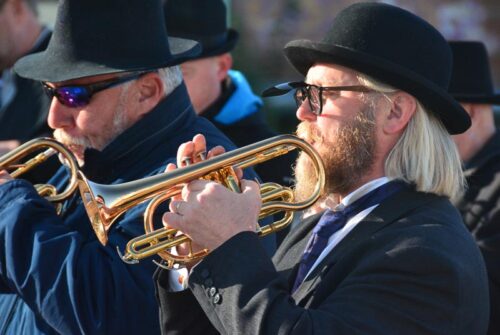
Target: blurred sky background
{"type": "Point", "coordinates": [265, 26]}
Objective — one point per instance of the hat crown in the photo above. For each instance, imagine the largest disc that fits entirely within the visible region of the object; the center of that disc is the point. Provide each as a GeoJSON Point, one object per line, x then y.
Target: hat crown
{"type": "Point", "coordinates": [391, 34]}
{"type": "Point", "coordinates": [110, 32]}
{"type": "Point", "coordinates": [202, 20]}
{"type": "Point", "coordinates": [196, 18]}
{"type": "Point", "coordinates": [471, 73]}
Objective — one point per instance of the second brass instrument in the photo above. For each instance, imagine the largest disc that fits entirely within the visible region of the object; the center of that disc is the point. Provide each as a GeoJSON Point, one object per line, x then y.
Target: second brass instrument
{"type": "Point", "coordinates": [11, 162]}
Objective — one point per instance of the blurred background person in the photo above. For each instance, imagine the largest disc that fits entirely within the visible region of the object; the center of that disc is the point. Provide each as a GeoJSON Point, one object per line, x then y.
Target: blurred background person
{"type": "Point", "coordinates": [218, 92]}
{"type": "Point", "coordinates": [479, 148]}
{"type": "Point", "coordinates": [23, 105]}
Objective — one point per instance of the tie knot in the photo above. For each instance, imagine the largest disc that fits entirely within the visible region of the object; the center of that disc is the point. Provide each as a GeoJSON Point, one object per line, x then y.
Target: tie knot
{"type": "Point", "coordinates": [330, 222]}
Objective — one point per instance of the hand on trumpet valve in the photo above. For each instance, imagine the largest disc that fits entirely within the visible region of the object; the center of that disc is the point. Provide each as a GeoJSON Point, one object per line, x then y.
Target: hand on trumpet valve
{"type": "Point", "coordinates": [207, 211]}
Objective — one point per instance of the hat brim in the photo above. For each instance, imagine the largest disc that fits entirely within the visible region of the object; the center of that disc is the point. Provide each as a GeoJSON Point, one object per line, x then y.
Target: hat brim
{"type": "Point", "coordinates": [228, 45]}
{"type": "Point", "coordinates": [303, 54]}
{"type": "Point", "coordinates": [46, 67]}
{"type": "Point", "coordinates": [478, 99]}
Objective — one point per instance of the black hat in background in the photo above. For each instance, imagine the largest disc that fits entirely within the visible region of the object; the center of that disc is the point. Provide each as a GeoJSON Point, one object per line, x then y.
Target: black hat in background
{"type": "Point", "coordinates": [471, 76]}
{"type": "Point", "coordinates": [202, 20]}
{"type": "Point", "coordinates": [94, 37]}
{"type": "Point", "coordinates": [393, 46]}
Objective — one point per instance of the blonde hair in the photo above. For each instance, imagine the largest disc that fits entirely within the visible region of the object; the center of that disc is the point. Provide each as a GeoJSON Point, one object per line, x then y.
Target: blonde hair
{"type": "Point", "coordinates": [425, 155]}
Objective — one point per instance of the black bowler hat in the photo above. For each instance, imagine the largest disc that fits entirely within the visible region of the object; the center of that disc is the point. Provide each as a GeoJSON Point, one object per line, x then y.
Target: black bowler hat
{"type": "Point", "coordinates": [93, 37]}
{"type": "Point", "coordinates": [471, 76]}
{"type": "Point", "coordinates": [394, 46]}
{"type": "Point", "coordinates": [203, 21]}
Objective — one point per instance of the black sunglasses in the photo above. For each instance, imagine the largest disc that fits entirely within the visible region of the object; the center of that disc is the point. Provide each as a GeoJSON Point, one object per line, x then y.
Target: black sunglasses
{"type": "Point", "coordinates": [80, 95]}
{"type": "Point", "coordinates": [313, 93]}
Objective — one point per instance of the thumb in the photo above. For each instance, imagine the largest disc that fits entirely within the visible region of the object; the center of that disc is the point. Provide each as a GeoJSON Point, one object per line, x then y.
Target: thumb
{"type": "Point", "coordinates": [250, 187]}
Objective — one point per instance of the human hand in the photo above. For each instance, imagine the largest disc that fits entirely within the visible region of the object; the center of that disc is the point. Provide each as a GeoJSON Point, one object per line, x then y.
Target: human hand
{"type": "Point", "coordinates": [9, 145]}
{"type": "Point", "coordinates": [210, 214]}
{"type": "Point", "coordinates": [191, 152]}
{"type": "Point", "coordinates": [4, 177]}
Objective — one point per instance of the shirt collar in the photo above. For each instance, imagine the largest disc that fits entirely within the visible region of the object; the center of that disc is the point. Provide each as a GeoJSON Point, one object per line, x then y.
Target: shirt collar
{"type": "Point", "coordinates": [359, 192]}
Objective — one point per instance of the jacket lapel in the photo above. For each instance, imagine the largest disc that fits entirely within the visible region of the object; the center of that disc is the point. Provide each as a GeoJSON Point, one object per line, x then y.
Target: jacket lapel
{"type": "Point", "coordinates": [389, 211]}
{"type": "Point", "coordinates": [288, 255]}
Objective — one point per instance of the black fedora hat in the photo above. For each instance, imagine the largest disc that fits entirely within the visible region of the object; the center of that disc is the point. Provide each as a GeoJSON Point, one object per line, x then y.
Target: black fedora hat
{"type": "Point", "coordinates": [471, 76]}
{"type": "Point", "coordinates": [391, 45]}
{"type": "Point", "coordinates": [203, 21]}
{"type": "Point", "coordinates": [93, 37]}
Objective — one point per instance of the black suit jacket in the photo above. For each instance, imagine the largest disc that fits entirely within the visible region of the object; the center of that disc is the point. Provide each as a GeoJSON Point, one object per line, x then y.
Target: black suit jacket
{"type": "Point", "coordinates": [410, 267]}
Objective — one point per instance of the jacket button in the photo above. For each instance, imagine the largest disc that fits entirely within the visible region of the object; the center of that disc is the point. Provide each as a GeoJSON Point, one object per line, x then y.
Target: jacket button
{"type": "Point", "coordinates": [209, 282]}
{"type": "Point", "coordinates": [217, 299]}
{"type": "Point", "coordinates": [212, 291]}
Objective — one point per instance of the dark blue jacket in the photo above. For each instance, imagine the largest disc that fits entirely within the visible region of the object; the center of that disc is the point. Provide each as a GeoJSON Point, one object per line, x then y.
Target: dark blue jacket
{"type": "Point", "coordinates": [55, 277]}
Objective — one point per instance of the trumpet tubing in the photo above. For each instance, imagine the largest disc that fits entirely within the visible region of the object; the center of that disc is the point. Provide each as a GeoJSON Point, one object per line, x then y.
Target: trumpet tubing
{"type": "Point", "coordinates": [275, 198]}
{"type": "Point", "coordinates": [11, 162]}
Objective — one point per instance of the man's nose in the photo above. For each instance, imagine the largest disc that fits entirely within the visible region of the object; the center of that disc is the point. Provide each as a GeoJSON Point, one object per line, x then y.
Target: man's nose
{"type": "Point", "coordinates": [304, 112]}
{"type": "Point", "coordinates": [60, 116]}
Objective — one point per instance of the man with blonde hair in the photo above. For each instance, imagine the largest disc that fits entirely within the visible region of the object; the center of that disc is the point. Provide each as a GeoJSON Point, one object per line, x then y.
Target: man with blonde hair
{"type": "Point", "coordinates": [393, 257]}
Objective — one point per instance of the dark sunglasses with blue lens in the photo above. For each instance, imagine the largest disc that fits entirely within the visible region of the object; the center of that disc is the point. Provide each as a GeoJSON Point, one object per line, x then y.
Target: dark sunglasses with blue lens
{"type": "Point", "coordinates": [80, 95]}
{"type": "Point", "coordinates": [313, 93]}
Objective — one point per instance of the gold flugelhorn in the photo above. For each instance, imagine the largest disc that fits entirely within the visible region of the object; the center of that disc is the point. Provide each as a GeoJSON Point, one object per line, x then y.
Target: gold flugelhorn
{"type": "Point", "coordinates": [11, 162]}
{"type": "Point", "coordinates": [105, 203]}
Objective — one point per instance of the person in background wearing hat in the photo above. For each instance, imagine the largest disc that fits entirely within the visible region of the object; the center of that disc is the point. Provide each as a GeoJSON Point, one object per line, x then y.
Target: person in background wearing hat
{"type": "Point", "coordinates": [394, 256]}
{"type": "Point", "coordinates": [218, 92]}
{"type": "Point", "coordinates": [479, 147]}
{"type": "Point", "coordinates": [23, 105]}
{"type": "Point", "coordinates": [119, 104]}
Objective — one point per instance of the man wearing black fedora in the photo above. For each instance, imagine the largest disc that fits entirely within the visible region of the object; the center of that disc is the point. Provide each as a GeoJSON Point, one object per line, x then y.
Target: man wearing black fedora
{"type": "Point", "coordinates": [479, 147]}
{"type": "Point", "coordinates": [119, 104]}
{"type": "Point", "coordinates": [218, 92]}
{"type": "Point", "coordinates": [392, 256]}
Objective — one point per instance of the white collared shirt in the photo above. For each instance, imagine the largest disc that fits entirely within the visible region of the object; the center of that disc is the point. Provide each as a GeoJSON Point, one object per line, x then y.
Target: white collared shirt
{"type": "Point", "coordinates": [335, 239]}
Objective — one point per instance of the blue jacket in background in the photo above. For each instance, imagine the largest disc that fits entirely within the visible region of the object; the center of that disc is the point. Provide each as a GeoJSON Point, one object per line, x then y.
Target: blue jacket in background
{"type": "Point", "coordinates": [55, 276]}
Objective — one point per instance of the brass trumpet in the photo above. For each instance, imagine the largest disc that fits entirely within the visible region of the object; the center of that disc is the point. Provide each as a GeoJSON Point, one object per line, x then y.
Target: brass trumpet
{"type": "Point", "coordinates": [105, 203]}
{"type": "Point", "coordinates": [11, 162]}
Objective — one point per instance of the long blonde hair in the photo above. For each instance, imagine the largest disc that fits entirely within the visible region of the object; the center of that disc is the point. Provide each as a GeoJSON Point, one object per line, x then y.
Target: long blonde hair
{"type": "Point", "coordinates": [425, 154]}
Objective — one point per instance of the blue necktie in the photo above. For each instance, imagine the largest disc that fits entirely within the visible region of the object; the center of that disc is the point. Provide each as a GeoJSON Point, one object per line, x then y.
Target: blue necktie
{"type": "Point", "coordinates": [332, 221]}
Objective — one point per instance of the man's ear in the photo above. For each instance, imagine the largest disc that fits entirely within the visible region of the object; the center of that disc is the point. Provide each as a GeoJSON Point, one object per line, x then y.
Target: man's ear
{"type": "Point", "coordinates": [150, 90]}
{"type": "Point", "coordinates": [225, 63]}
{"type": "Point", "coordinates": [403, 106]}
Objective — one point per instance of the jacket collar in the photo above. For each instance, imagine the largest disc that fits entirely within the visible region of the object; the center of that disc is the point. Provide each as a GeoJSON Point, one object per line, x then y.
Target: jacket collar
{"type": "Point", "coordinates": [170, 115]}
{"type": "Point", "coordinates": [385, 214]}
